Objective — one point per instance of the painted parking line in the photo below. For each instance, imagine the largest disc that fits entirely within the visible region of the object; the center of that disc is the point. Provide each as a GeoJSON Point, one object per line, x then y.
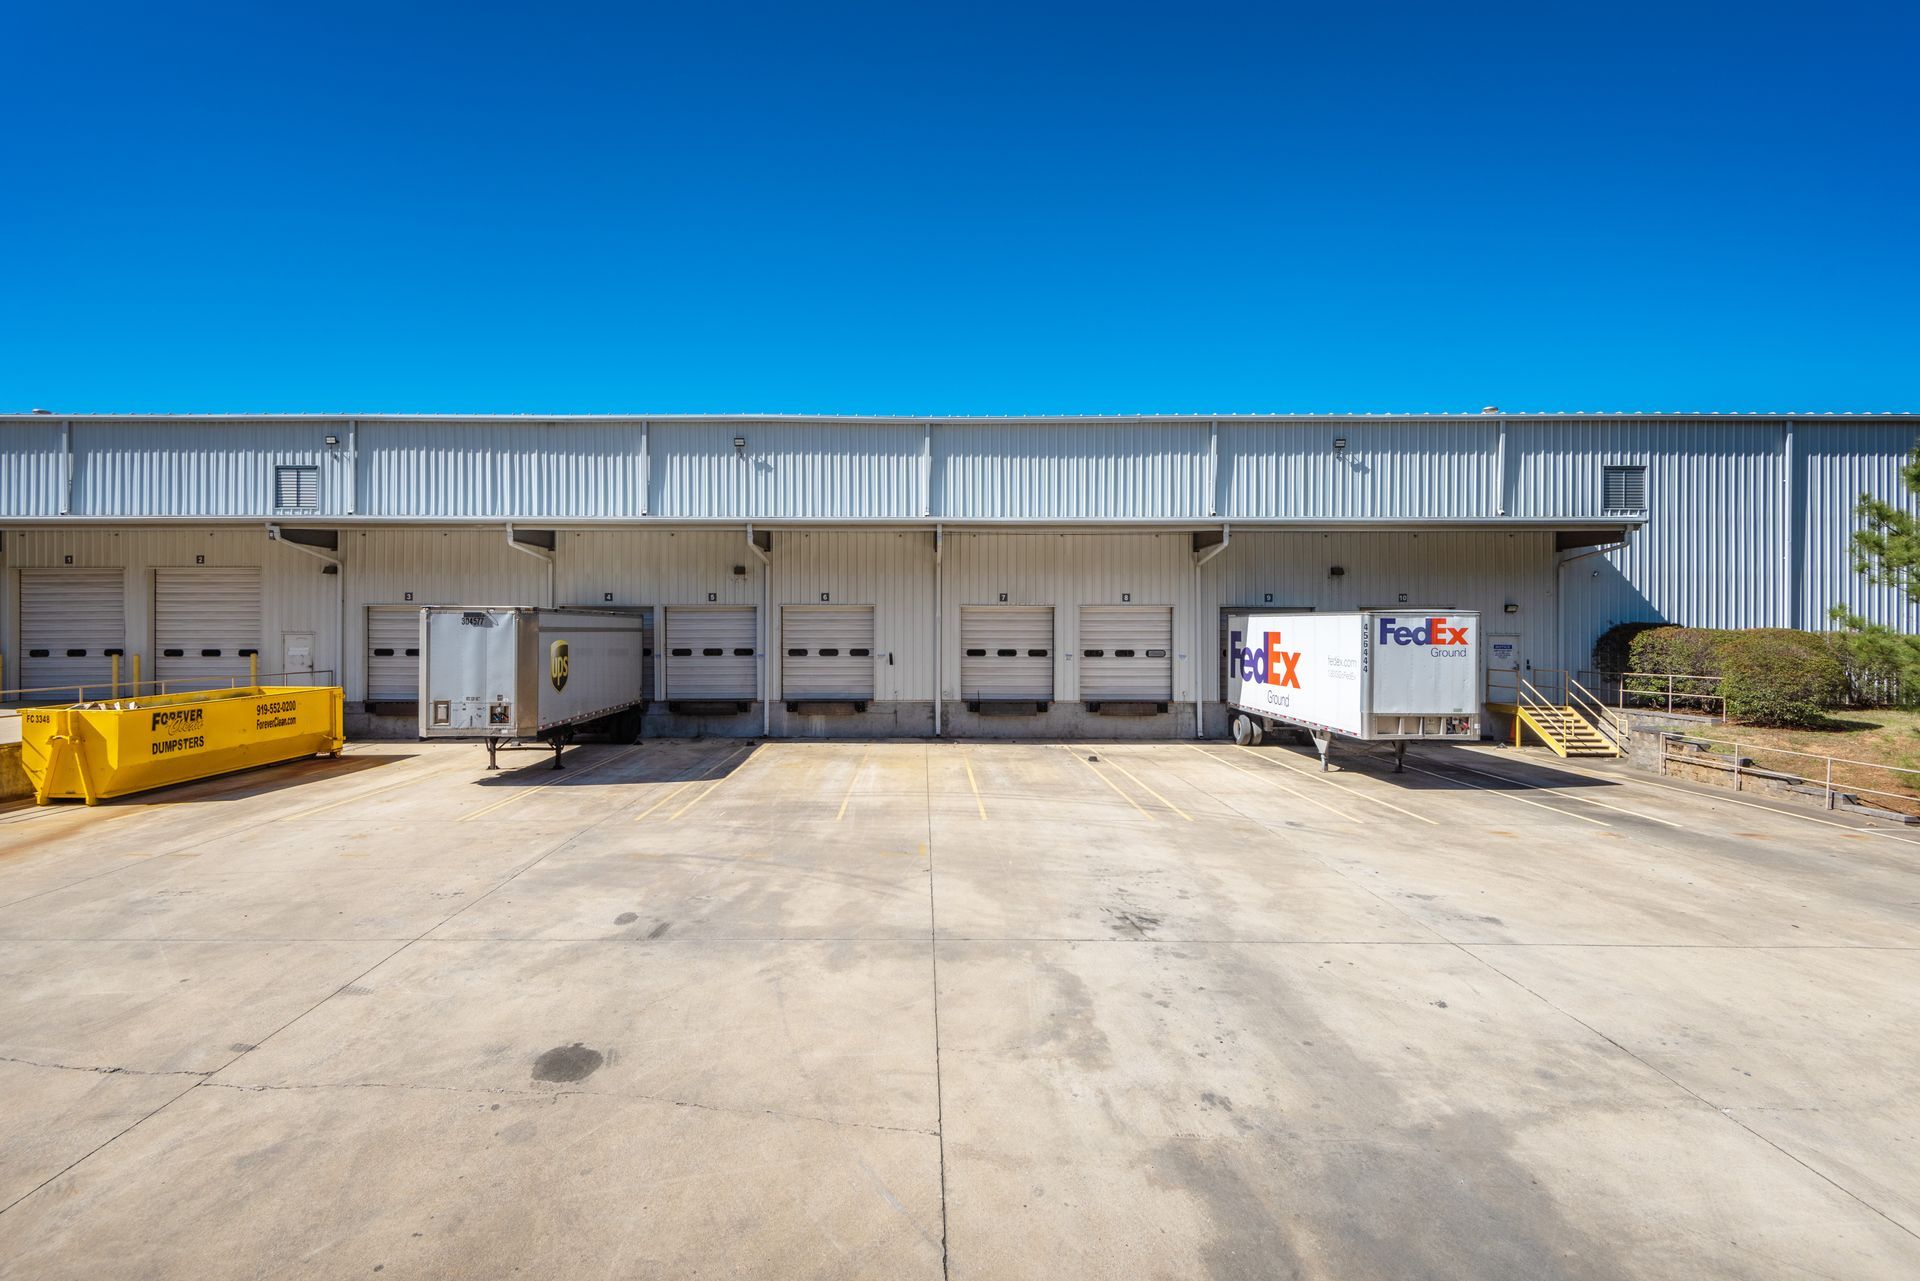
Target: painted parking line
{"type": "Point", "coordinates": [1104, 779]}
{"type": "Point", "coordinates": [1322, 778]}
{"type": "Point", "coordinates": [1715, 797]}
{"type": "Point", "coordinates": [1141, 783]}
{"type": "Point", "coordinates": [707, 791]}
{"type": "Point", "coordinates": [1481, 787]}
{"type": "Point", "coordinates": [524, 792]}
{"type": "Point", "coordinates": [1266, 776]}
{"type": "Point", "coordinates": [701, 771]}
{"type": "Point", "coordinates": [966, 758]}
{"type": "Point", "coordinates": [847, 797]}
{"type": "Point", "coordinates": [1566, 796]}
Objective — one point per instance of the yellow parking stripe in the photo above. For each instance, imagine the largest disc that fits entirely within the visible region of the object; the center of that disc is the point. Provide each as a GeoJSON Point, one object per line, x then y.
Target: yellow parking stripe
{"type": "Point", "coordinates": [967, 758]}
{"type": "Point", "coordinates": [852, 783]}
{"type": "Point", "coordinates": [1104, 779]}
{"type": "Point", "coordinates": [1316, 774]}
{"type": "Point", "coordinates": [708, 789]}
{"type": "Point", "coordinates": [1267, 776]}
{"type": "Point", "coordinates": [524, 792]}
{"type": "Point", "coordinates": [1149, 791]}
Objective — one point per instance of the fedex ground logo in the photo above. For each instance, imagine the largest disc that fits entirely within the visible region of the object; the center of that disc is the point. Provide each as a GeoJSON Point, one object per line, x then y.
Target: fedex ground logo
{"type": "Point", "coordinates": [1437, 634]}
{"type": "Point", "coordinates": [1268, 663]}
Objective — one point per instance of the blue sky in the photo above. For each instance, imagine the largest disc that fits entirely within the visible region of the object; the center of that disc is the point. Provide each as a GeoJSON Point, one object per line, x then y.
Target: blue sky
{"type": "Point", "coordinates": [969, 209]}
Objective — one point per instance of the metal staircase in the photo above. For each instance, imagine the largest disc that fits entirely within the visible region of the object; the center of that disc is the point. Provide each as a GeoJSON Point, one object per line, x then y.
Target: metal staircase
{"type": "Point", "coordinates": [1575, 723]}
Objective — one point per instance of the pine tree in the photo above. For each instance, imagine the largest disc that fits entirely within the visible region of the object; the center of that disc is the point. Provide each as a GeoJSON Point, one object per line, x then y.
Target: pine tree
{"type": "Point", "coordinates": [1887, 554]}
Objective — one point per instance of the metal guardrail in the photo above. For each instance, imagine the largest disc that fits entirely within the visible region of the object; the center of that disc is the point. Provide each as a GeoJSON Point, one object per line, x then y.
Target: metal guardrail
{"type": "Point", "coordinates": [1742, 761]}
{"type": "Point", "coordinates": [16, 701]}
{"type": "Point", "coordinates": [1676, 693]}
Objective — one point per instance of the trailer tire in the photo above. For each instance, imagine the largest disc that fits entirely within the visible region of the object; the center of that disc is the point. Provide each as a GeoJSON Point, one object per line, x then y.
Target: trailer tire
{"type": "Point", "coordinates": [1242, 729]}
{"type": "Point", "coordinates": [626, 726]}
{"type": "Point", "coordinates": [1257, 736]}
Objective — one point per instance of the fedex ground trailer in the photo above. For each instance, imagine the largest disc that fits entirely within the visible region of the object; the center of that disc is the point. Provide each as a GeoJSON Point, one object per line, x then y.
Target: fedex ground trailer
{"type": "Point", "coordinates": [1375, 675]}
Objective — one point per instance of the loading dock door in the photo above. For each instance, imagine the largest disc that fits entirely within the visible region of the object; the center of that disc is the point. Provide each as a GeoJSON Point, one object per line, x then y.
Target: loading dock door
{"type": "Point", "coordinates": [206, 624]}
{"type": "Point", "coordinates": [70, 620]}
{"type": "Point", "coordinates": [1126, 653]}
{"type": "Point", "coordinates": [710, 653]}
{"type": "Point", "coordinates": [1006, 653]}
{"type": "Point", "coordinates": [393, 653]}
{"type": "Point", "coordinates": [826, 652]}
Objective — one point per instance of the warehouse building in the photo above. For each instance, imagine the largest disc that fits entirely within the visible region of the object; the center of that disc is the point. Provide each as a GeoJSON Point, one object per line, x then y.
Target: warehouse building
{"type": "Point", "coordinates": [1022, 577]}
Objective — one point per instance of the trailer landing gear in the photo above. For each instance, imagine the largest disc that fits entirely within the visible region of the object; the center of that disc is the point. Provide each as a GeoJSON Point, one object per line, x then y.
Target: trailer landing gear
{"type": "Point", "coordinates": [1322, 743]}
{"type": "Point", "coordinates": [1399, 755]}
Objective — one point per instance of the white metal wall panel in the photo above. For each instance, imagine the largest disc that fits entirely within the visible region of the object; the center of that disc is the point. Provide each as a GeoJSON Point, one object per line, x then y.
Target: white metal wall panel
{"type": "Point", "coordinates": [393, 653]}
{"type": "Point", "coordinates": [1126, 653]}
{"type": "Point", "coordinates": [1071, 471]}
{"type": "Point", "coordinates": [502, 469]}
{"type": "Point", "coordinates": [826, 651]}
{"type": "Point", "coordinates": [32, 469]}
{"type": "Point", "coordinates": [711, 652]}
{"type": "Point", "coordinates": [186, 468]}
{"type": "Point", "coordinates": [70, 621]}
{"type": "Point", "coordinates": [794, 470]}
{"type": "Point", "coordinates": [1834, 465]}
{"type": "Point", "coordinates": [206, 624]}
{"type": "Point", "coordinates": [1425, 469]}
{"type": "Point", "coordinates": [1006, 653]}
{"type": "Point", "coordinates": [891, 570]}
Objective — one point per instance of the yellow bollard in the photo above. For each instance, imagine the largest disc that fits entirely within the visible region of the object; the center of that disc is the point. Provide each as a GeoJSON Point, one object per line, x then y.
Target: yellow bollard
{"type": "Point", "coordinates": [136, 675]}
{"type": "Point", "coordinates": [253, 668]}
{"type": "Point", "coordinates": [116, 676]}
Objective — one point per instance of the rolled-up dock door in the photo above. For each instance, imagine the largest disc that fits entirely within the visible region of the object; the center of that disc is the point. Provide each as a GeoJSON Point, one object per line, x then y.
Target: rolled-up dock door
{"type": "Point", "coordinates": [1126, 653]}
{"type": "Point", "coordinates": [1006, 653]}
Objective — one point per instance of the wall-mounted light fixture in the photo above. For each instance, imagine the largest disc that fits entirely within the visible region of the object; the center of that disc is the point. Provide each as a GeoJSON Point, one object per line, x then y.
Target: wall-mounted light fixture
{"type": "Point", "coordinates": [1336, 572]}
{"type": "Point", "coordinates": [333, 442]}
{"type": "Point", "coordinates": [739, 444]}
{"type": "Point", "coordinates": [1512, 608]}
{"type": "Point", "coordinates": [1339, 444]}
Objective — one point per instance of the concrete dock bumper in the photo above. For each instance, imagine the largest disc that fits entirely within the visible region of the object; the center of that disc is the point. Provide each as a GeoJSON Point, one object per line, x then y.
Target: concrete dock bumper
{"type": "Point", "coordinates": [92, 751]}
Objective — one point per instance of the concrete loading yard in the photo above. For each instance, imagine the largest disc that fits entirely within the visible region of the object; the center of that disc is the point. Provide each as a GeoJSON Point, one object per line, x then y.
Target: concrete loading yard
{"type": "Point", "coordinates": [899, 1008]}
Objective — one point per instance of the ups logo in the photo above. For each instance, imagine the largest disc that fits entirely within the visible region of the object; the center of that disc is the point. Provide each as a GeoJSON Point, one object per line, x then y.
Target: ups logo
{"type": "Point", "coordinates": [558, 662]}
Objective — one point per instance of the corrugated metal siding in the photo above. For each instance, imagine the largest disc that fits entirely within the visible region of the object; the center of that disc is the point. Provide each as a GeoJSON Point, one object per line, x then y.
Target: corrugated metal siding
{"type": "Point", "coordinates": [812, 471]}
{"type": "Point", "coordinates": [198, 469]}
{"type": "Point", "coordinates": [32, 479]}
{"type": "Point", "coordinates": [1291, 471]}
{"type": "Point", "coordinates": [505, 470]}
{"type": "Point", "coordinates": [1067, 571]}
{"type": "Point", "coordinates": [1481, 571]}
{"type": "Point", "coordinates": [1073, 471]}
{"type": "Point", "coordinates": [295, 595]}
{"type": "Point", "coordinates": [892, 572]}
{"type": "Point", "coordinates": [1834, 466]}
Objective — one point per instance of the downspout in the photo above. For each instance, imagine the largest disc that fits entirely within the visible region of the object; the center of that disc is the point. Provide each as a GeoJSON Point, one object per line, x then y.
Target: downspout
{"type": "Point", "coordinates": [766, 625]}
{"type": "Point", "coordinates": [1559, 601]}
{"type": "Point", "coordinates": [1788, 522]}
{"type": "Point", "coordinates": [340, 595]}
{"type": "Point", "coordinates": [939, 636]}
{"type": "Point", "coordinates": [1200, 628]}
{"type": "Point", "coordinates": [539, 553]}
{"type": "Point", "coordinates": [1500, 470]}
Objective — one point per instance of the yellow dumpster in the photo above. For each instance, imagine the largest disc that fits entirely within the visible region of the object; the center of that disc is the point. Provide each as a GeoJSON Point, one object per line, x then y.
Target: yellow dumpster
{"type": "Point", "coordinates": [95, 750]}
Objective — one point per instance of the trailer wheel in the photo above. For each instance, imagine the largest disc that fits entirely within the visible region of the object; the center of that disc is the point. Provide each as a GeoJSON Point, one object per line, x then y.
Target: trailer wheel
{"type": "Point", "coordinates": [1242, 729]}
{"type": "Point", "coordinates": [1259, 733]}
{"type": "Point", "coordinates": [626, 726]}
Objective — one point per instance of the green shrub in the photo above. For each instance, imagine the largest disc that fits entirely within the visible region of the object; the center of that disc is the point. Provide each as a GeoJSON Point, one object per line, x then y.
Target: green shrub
{"type": "Point", "coordinates": [1773, 676]}
{"type": "Point", "coordinates": [1611, 652]}
{"type": "Point", "coordinates": [1769, 676]}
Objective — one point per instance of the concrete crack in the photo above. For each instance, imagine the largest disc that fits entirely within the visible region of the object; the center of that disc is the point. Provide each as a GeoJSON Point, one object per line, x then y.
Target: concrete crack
{"type": "Point", "coordinates": [102, 1071]}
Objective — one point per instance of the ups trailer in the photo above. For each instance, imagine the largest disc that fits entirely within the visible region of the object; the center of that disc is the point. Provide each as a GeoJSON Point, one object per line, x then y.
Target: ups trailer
{"type": "Point", "coordinates": [1380, 676]}
{"type": "Point", "coordinates": [520, 676]}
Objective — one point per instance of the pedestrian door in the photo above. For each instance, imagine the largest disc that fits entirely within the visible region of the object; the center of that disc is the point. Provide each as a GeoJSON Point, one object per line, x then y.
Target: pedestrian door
{"type": "Point", "coordinates": [710, 653]}
{"type": "Point", "coordinates": [72, 621]}
{"type": "Point", "coordinates": [1126, 653]}
{"type": "Point", "coordinates": [826, 652]}
{"type": "Point", "coordinates": [393, 653]}
{"type": "Point", "coordinates": [1006, 653]}
{"type": "Point", "coordinates": [206, 625]}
